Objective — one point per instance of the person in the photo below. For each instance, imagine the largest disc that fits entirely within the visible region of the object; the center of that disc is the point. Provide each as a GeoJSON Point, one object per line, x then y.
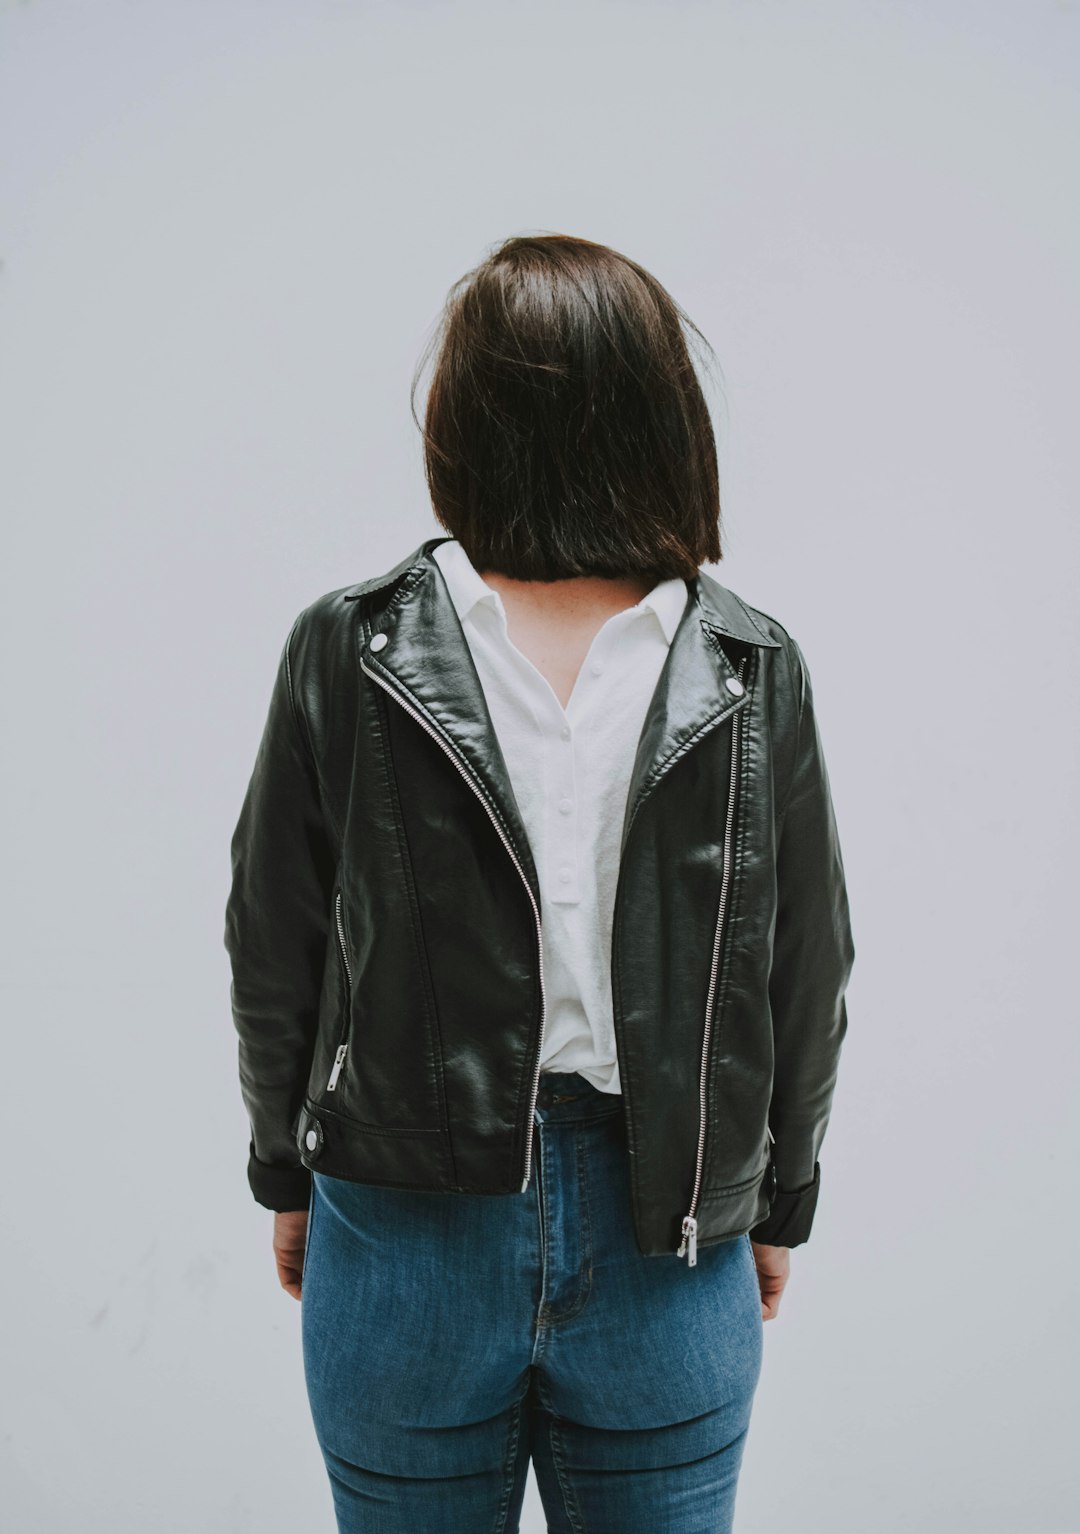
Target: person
{"type": "Point", "coordinates": [540, 940]}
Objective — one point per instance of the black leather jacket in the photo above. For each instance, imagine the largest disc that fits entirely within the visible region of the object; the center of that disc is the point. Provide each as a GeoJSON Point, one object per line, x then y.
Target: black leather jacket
{"type": "Point", "coordinates": [385, 922]}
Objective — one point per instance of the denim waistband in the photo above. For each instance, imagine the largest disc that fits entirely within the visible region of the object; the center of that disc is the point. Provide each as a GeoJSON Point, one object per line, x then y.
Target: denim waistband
{"type": "Point", "coordinates": [568, 1095]}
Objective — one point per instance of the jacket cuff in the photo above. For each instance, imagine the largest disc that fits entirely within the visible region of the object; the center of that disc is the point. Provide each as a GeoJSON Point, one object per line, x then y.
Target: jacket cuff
{"type": "Point", "coordinates": [280, 1188]}
{"type": "Point", "coordinates": [791, 1215]}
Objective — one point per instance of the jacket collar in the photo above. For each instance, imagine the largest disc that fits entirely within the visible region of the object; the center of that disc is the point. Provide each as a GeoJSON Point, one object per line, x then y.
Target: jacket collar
{"type": "Point", "coordinates": [427, 663]}
{"type": "Point", "coordinates": [718, 606]}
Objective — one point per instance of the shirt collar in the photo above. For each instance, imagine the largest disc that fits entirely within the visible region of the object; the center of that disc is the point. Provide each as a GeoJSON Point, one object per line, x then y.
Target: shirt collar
{"type": "Point", "coordinates": [668, 601]}
{"type": "Point", "coordinates": [466, 585]}
{"type": "Point", "coordinates": [467, 588]}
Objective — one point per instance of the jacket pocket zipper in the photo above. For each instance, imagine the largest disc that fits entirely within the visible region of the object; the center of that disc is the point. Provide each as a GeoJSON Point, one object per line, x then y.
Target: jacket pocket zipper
{"type": "Point", "coordinates": [688, 1246]}
{"type": "Point", "coordinates": [339, 1058]}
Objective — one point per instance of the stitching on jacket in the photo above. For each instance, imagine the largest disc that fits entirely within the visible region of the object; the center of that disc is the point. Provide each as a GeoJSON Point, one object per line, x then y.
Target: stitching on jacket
{"type": "Point", "coordinates": [409, 580]}
{"type": "Point", "coordinates": [750, 617]}
{"type": "Point", "coordinates": [801, 691]}
{"type": "Point", "coordinates": [733, 1188]}
{"type": "Point", "coordinates": [305, 738]}
{"type": "Point", "coordinates": [481, 789]}
{"type": "Point", "coordinates": [680, 751]}
{"type": "Point", "coordinates": [316, 1108]}
{"type": "Point", "coordinates": [735, 905]}
{"type": "Point", "coordinates": [480, 785]}
{"type": "Point", "coordinates": [419, 938]}
{"type": "Point", "coordinates": [631, 1126]}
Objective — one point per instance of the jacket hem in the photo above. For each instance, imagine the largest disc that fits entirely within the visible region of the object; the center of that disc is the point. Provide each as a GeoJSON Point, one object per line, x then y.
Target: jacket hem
{"type": "Point", "coordinates": [791, 1215]}
{"type": "Point", "coordinates": [723, 1214]}
{"type": "Point", "coordinates": [338, 1146]}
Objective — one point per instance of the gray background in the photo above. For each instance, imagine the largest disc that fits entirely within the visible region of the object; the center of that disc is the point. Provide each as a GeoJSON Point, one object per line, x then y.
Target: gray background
{"type": "Point", "coordinates": [226, 231]}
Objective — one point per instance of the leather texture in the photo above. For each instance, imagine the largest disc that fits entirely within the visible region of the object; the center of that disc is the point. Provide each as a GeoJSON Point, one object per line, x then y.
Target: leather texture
{"type": "Point", "coordinates": [385, 912]}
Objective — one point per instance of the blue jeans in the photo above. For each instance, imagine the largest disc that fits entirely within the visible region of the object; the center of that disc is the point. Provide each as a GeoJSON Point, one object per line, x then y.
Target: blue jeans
{"type": "Point", "coordinates": [451, 1338]}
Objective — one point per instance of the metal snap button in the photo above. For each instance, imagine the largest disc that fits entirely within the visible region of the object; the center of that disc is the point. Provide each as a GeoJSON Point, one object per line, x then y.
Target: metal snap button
{"type": "Point", "coordinates": [378, 642]}
{"type": "Point", "coordinates": [733, 684]}
{"type": "Point", "coordinates": [314, 1139]}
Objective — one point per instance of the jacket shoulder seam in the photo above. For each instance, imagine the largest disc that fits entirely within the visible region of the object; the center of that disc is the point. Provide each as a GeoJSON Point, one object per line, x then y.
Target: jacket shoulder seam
{"type": "Point", "coordinates": [799, 692]}
{"type": "Point", "coordinates": [294, 711]}
{"type": "Point", "coordinates": [788, 645]}
{"type": "Point", "coordinates": [302, 732]}
{"type": "Point", "coordinates": [754, 613]}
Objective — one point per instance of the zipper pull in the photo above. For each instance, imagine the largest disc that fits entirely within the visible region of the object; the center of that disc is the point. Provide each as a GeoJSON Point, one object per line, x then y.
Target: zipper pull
{"type": "Point", "coordinates": [339, 1061]}
{"type": "Point", "coordinates": [689, 1241]}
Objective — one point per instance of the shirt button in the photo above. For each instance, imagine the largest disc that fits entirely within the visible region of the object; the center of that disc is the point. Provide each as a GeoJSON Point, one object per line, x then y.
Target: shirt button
{"type": "Point", "coordinates": [565, 806]}
{"type": "Point", "coordinates": [564, 875]}
{"type": "Point", "coordinates": [565, 732]}
{"type": "Point", "coordinates": [597, 668]}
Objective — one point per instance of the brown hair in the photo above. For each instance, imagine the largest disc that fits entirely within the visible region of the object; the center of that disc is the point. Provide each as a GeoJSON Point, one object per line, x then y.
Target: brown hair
{"type": "Point", "coordinates": [565, 431]}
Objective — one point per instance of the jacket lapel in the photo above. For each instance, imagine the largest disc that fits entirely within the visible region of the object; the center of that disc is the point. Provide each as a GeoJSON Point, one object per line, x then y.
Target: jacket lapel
{"type": "Point", "coordinates": [427, 661]}
{"type": "Point", "coordinates": [691, 696]}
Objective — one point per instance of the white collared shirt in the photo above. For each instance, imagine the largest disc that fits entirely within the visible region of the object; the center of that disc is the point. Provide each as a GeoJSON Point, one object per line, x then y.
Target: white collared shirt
{"type": "Point", "coordinates": [570, 770]}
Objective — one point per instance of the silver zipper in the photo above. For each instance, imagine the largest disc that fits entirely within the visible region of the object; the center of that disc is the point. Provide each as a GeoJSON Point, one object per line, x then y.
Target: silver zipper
{"type": "Point", "coordinates": [436, 735]}
{"type": "Point", "coordinates": [339, 1058]}
{"type": "Point", "coordinates": [688, 1246]}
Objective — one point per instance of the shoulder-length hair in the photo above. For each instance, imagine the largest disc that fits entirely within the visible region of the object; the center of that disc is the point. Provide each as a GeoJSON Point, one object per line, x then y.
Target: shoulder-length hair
{"type": "Point", "coordinates": [565, 431]}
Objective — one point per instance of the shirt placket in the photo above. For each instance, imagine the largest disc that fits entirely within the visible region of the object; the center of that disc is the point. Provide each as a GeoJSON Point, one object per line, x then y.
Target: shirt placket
{"type": "Point", "coordinates": [566, 769]}
{"type": "Point", "coordinates": [563, 799]}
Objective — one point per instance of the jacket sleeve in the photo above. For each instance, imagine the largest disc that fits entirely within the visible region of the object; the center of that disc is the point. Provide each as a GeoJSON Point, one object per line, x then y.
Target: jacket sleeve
{"type": "Point", "coordinates": [277, 919]}
{"type": "Point", "coordinates": [813, 954]}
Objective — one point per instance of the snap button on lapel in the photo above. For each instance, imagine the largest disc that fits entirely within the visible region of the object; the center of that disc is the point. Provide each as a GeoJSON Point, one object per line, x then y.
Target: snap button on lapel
{"type": "Point", "coordinates": [733, 684]}
{"type": "Point", "coordinates": [311, 1140]}
{"type": "Point", "coordinates": [377, 641]}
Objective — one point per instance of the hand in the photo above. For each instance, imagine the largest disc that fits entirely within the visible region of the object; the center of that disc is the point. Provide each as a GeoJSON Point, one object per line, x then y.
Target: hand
{"type": "Point", "coordinates": [290, 1237]}
{"type": "Point", "coordinates": [773, 1265]}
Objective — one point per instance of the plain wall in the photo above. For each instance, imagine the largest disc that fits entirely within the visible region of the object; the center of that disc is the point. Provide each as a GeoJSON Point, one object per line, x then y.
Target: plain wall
{"type": "Point", "coordinates": [227, 229]}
